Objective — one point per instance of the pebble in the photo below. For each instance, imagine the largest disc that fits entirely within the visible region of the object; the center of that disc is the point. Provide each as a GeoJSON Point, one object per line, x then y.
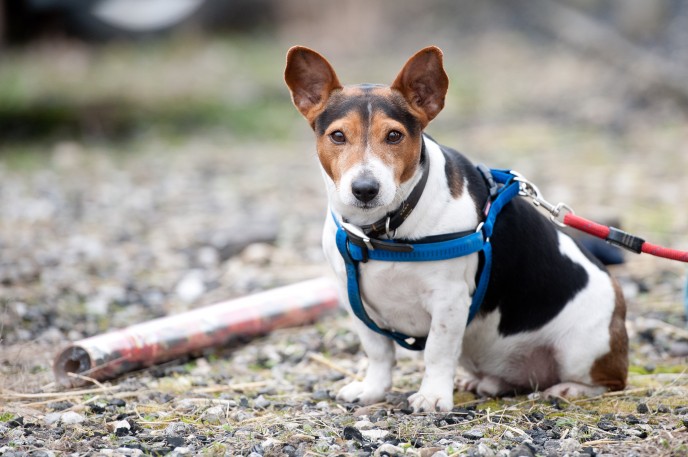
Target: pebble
{"type": "Point", "coordinates": [389, 450]}
{"type": "Point", "coordinates": [375, 434]}
{"type": "Point", "coordinates": [191, 286]}
{"type": "Point", "coordinates": [215, 415]}
{"type": "Point", "coordinates": [70, 418]}
{"type": "Point", "coordinates": [121, 428]}
{"type": "Point", "coordinates": [521, 451]}
{"type": "Point", "coordinates": [261, 402]}
{"type": "Point", "coordinates": [52, 418]}
{"type": "Point", "coordinates": [363, 425]}
{"type": "Point", "coordinates": [569, 446]}
{"type": "Point", "coordinates": [473, 434]}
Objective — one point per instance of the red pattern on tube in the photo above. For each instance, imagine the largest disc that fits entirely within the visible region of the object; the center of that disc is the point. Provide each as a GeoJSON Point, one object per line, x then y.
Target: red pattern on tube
{"type": "Point", "coordinates": [112, 354]}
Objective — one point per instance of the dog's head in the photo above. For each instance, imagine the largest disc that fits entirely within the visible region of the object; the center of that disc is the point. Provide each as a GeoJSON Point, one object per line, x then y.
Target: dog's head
{"type": "Point", "coordinates": [368, 136]}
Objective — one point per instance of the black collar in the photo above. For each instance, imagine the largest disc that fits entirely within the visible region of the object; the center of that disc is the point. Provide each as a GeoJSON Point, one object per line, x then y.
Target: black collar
{"type": "Point", "coordinates": [393, 220]}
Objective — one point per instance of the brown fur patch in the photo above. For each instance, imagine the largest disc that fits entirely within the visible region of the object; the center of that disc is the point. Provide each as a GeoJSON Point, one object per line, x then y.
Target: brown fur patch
{"type": "Point", "coordinates": [366, 129]}
{"type": "Point", "coordinates": [611, 369]}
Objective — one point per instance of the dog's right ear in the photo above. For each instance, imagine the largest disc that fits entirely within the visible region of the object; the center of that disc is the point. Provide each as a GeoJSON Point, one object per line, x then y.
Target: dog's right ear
{"type": "Point", "coordinates": [311, 79]}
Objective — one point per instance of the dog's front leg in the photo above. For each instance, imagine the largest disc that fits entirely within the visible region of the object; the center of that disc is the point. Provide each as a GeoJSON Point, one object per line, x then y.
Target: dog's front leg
{"type": "Point", "coordinates": [378, 378]}
{"type": "Point", "coordinates": [442, 351]}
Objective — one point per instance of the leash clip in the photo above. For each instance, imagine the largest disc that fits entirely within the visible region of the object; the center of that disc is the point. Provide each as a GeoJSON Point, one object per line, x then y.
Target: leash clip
{"type": "Point", "coordinates": [530, 190]}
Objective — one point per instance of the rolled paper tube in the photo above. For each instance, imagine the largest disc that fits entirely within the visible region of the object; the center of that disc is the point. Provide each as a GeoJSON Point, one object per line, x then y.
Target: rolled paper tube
{"type": "Point", "coordinates": [112, 354]}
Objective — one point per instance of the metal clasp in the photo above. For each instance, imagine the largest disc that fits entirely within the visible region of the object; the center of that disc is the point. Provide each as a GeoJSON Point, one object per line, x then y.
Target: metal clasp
{"type": "Point", "coordinates": [358, 233]}
{"type": "Point", "coordinates": [530, 190]}
{"type": "Point", "coordinates": [392, 235]}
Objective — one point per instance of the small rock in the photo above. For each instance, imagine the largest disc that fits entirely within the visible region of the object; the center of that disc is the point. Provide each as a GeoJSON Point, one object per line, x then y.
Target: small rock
{"type": "Point", "coordinates": [352, 433]}
{"type": "Point", "coordinates": [215, 415]}
{"type": "Point", "coordinates": [191, 286]}
{"type": "Point", "coordinates": [389, 450]}
{"type": "Point", "coordinates": [642, 408]}
{"type": "Point", "coordinates": [60, 405]}
{"type": "Point", "coordinates": [179, 451]}
{"type": "Point", "coordinates": [635, 432]}
{"type": "Point", "coordinates": [521, 451]}
{"type": "Point", "coordinates": [117, 402]}
{"type": "Point", "coordinates": [177, 428]}
{"type": "Point", "coordinates": [473, 434]}
{"type": "Point", "coordinates": [261, 403]}
{"type": "Point", "coordinates": [485, 451]}
{"type": "Point", "coordinates": [569, 446]}
{"type": "Point", "coordinates": [121, 428]}
{"type": "Point", "coordinates": [52, 418]}
{"type": "Point", "coordinates": [70, 418]}
{"type": "Point", "coordinates": [663, 409]}
{"type": "Point", "coordinates": [16, 421]}
{"type": "Point", "coordinates": [607, 426]}
{"type": "Point", "coordinates": [320, 395]}
{"type": "Point", "coordinates": [632, 420]}
{"type": "Point", "coordinates": [375, 434]}
{"type": "Point", "coordinates": [363, 425]}
{"type": "Point", "coordinates": [678, 349]}
{"type": "Point", "coordinates": [289, 450]}
{"type": "Point", "coordinates": [440, 454]}
{"type": "Point", "coordinates": [431, 451]}
{"type": "Point", "coordinates": [174, 441]}
{"type": "Point", "coordinates": [322, 405]}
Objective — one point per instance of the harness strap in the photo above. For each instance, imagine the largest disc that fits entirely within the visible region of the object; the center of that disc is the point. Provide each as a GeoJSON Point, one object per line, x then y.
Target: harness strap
{"type": "Point", "coordinates": [355, 246]}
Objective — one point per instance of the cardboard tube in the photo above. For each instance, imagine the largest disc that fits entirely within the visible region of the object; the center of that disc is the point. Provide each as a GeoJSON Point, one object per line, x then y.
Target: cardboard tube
{"type": "Point", "coordinates": [112, 354]}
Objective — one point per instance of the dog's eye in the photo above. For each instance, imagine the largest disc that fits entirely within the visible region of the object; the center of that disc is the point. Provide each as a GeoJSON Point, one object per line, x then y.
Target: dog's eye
{"type": "Point", "coordinates": [394, 137]}
{"type": "Point", "coordinates": [338, 137]}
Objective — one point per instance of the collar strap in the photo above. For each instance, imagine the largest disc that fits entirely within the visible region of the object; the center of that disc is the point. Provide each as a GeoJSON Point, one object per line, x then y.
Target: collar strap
{"type": "Point", "coordinates": [392, 221]}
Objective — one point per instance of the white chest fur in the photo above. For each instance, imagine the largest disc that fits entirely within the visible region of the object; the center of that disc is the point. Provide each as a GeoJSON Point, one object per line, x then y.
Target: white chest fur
{"type": "Point", "coordinates": [403, 296]}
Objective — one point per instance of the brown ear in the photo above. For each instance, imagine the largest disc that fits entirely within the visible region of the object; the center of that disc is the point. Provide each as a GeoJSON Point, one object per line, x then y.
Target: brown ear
{"type": "Point", "coordinates": [423, 82]}
{"type": "Point", "coordinates": [311, 79]}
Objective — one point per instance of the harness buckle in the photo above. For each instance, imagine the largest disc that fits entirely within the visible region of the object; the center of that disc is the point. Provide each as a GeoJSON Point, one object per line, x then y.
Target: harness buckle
{"type": "Point", "coordinates": [356, 232]}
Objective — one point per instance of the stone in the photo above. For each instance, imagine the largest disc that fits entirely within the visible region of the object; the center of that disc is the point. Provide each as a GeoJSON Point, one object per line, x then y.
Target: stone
{"type": "Point", "coordinates": [473, 434]}
{"type": "Point", "coordinates": [70, 418]}
{"type": "Point", "coordinates": [521, 451]}
{"type": "Point", "coordinates": [389, 450]}
{"type": "Point", "coordinates": [215, 415]}
{"type": "Point", "coordinates": [121, 428]}
{"type": "Point", "coordinates": [375, 434]}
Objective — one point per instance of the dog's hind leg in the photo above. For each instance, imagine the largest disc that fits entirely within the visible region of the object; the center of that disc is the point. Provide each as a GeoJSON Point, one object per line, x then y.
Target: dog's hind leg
{"type": "Point", "coordinates": [573, 390]}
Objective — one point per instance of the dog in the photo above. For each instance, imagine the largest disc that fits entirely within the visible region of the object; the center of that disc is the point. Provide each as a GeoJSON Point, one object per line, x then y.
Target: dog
{"type": "Point", "coordinates": [551, 319]}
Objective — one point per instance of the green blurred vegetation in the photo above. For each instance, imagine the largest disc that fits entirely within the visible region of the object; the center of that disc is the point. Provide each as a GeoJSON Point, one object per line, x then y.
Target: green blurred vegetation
{"type": "Point", "coordinates": [173, 87]}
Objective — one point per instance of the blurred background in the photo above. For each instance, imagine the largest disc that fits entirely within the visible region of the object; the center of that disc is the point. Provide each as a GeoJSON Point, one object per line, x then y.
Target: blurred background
{"type": "Point", "coordinates": [151, 160]}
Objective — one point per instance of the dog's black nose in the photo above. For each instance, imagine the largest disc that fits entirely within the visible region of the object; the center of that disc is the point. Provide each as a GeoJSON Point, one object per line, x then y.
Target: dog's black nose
{"type": "Point", "coordinates": [365, 188]}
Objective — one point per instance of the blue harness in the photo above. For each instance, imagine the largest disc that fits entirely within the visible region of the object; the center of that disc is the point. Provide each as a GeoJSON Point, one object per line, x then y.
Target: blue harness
{"type": "Point", "coordinates": [355, 247]}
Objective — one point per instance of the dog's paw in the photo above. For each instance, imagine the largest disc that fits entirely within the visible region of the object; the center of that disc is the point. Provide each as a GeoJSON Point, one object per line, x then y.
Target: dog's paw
{"type": "Point", "coordinates": [360, 392]}
{"type": "Point", "coordinates": [487, 386]}
{"type": "Point", "coordinates": [573, 390]}
{"type": "Point", "coordinates": [422, 402]}
{"type": "Point", "coordinates": [469, 384]}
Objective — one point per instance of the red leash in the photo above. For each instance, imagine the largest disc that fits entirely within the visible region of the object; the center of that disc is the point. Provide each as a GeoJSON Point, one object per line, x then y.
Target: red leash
{"type": "Point", "coordinates": [620, 238]}
{"type": "Point", "coordinates": [610, 234]}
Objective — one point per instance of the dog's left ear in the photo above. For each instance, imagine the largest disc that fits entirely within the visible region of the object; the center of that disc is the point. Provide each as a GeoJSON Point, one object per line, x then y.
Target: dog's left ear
{"type": "Point", "coordinates": [311, 79]}
{"type": "Point", "coordinates": [424, 83]}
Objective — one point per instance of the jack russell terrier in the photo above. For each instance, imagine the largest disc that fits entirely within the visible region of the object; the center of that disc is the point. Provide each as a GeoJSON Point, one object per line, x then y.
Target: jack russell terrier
{"type": "Point", "coordinates": [407, 236]}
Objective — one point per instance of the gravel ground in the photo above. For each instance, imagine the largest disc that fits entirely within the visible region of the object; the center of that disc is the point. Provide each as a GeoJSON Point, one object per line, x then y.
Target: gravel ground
{"type": "Point", "coordinates": [96, 236]}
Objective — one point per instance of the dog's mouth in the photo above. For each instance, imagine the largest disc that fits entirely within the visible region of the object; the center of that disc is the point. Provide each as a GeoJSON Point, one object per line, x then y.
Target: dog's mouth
{"type": "Point", "coordinates": [365, 206]}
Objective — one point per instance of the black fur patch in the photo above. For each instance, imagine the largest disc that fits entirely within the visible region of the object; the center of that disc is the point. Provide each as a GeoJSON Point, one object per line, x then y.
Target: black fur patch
{"type": "Point", "coordinates": [339, 106]}
{"type": "Point", "coordinates": [531, 281]}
